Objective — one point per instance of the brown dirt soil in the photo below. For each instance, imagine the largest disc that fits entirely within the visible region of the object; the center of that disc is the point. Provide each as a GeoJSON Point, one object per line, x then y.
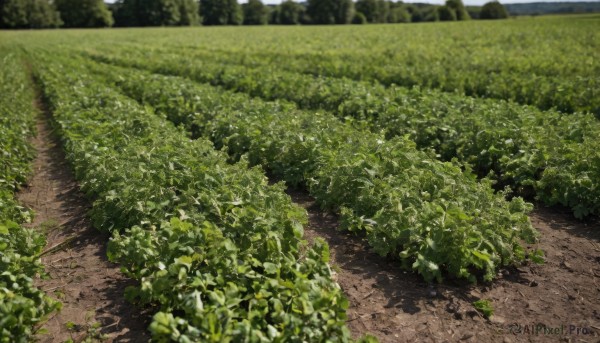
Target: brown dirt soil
{"type": "Point", "coordinates": [398, 306]}
{"type": "Point", "coordinates": [90, 287]}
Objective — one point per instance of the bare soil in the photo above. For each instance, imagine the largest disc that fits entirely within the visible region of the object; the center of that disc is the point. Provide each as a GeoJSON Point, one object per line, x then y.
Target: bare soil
{"type": "Point", "coordinates": [398, 306]}
{"type": "Point", "coordinates": [90, 287]}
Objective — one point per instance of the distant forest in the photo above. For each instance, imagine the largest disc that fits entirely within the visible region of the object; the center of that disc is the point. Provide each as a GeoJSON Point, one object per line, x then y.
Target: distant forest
{"type": "Point", "coordinates": [538, 8]}
{"type": "Point", "coordinates": [33, 14]}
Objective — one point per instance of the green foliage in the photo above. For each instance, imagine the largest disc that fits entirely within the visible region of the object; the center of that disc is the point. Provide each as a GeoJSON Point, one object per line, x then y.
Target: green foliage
{"type": "Point", "coordinates": [36, 14]}
{"type": "Point", "coordinates": [43, 15]}
{"type": "Point", "coordinates": [359, 18]}
{"type": "Point", "coordinates": [537, 256]}
{"type": "Point", "coordinates": [493, 10]}
{"type": "Point", "coordinates": [446, 13]}
{"type": "Point", "coordinates": [330, 11]}
{"type": "Point", "coordinates": [216, 248]}
{"type": "Point", "coordinates": [22, 305]}
{"type": "Point", "coordinates": [399, 14]}
{"type": "Point", "coordinates": [290, 13]}
{"type": "Point", "coordinates": [255, 13]}
{"type": "Point", "coordinates": [552, 8]}
{"type": "Point", "coordinates": [84, 13]}
{"type": "Point", "coordinates": [125, 13]}
{"type": "Point", "coordinates": [221, 12]}
{"type": "Point", "coordinates": [422, 12]}
{"type": "Point", "coordinates": [546, 153]}
{"type": "Point", "coordinates": [375, 11]}
{"type": "Point", "coordinates": [430, 13]}
{"type": "Point", "coordinates": [546, 75]}
{"type": "Point", "coordinates": [14, 14]}
{"type": "Point", "coordinates": [384, 151]}
{"type": "Point", "coordinates": [484, 306]}
{"type": "Point", "coordinates": [459, 9]}
{"type": "Point", "coordinates": [411, 206]}
{"type": "Point", "coordinates": [189, 12]}
{"type": "Point", "coordinates": [157, 13]}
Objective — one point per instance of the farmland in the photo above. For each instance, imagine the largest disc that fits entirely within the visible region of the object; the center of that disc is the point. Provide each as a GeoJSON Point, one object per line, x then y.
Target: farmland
{"type": "Point", "coordinates": [458, 162]}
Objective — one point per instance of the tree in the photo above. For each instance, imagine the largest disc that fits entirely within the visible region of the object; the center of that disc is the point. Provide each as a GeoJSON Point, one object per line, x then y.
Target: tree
{"type": "Point", "coordinates": [290, 13]}
{"type": "Point", "coordinates": [220, 12]}
{"type": "Point", "coordinates": [84, 13]}
{"type": "Point", "coordinates": [493, 10]}
{"type": "Point", "coordinates": [422, 12]}
{"type": "Point", "coordinates": [14, 14]}
{"type": "Point", "coordinates": [189, 12]}
{"type": "Point", "coordinates": [275, 14]}
{"type": "Point", "coordinates": [359, 18]}
{"type": "Point", "coordinates": [415, 13]}
{"type": "Point", "coordinates": [345, 11]}
{"type": "Point", "coordinates": [255, 13]}
{"type": "Point", "coordinates": [399, 14]}
{"type": "Point", "coordinates": [125, 13]}
{"type": "Point", "coordinates": [28, 14]}
{"type": "Point", "coordinates": [330, 11]}
{"type": "Point", "coordinates": [376, 11]}
{"type": "Point", "coordinates": [156, 12]}
{"type": "Point", "coordinates": [446, 13]}
{"type": "Point", "coordinates": [42, 14]}
{"type": "Point", "coordinates": [459, 9]}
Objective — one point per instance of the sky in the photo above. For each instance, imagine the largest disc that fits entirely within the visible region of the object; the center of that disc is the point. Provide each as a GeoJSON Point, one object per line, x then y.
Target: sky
{"type": "Point", "coordinates": [466, 2]}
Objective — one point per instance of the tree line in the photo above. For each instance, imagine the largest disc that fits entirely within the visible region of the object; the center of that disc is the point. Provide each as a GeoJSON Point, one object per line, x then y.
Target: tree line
{"type": "Point", "coordinates": [21, 14]}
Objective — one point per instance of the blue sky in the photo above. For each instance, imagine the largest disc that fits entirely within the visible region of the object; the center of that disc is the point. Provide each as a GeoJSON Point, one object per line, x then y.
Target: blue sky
{"type": "Point", "coordinates": [467, 2]}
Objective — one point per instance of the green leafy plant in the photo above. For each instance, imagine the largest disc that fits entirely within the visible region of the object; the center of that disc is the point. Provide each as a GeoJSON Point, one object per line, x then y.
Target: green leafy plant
{"type": "Point", "coordinates": [546, 153]}
{"type": "Point", "coordinates": [215, 247]}
{"type": "Point", "coordinates": [23, 307]}
{"type": "Point", "coordinates": [484, 306]}
{"type": "Point", "coordinates": [428, 214]}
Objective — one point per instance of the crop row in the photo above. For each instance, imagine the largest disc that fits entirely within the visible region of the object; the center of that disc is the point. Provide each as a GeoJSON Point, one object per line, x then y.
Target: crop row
{"type": "Point", "coordinates": [507, 81]}
{"type": "Point", "coordinates": [22, 305]}
{"type": "Point", "coordinates": [547, 63]}
{"type": "Point", "coordinates": [426, 213]}
{"type": "Point", "coordinates": [490, 62]}
{"type": "Point", "coordinates": [553, 155]}
{"type": "Point", "coordinates": [214, 246]}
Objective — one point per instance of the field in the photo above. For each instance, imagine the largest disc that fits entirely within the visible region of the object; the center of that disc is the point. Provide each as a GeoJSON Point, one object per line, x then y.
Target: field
{"type": "Point", "coordinates": [425, 182]}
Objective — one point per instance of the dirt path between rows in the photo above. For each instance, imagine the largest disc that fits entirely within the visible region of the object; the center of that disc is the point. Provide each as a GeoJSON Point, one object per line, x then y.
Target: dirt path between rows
{"type": "Point", "coordinates": [90, 288]}
{"type": "Point", "coordinates": [398, 306]}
